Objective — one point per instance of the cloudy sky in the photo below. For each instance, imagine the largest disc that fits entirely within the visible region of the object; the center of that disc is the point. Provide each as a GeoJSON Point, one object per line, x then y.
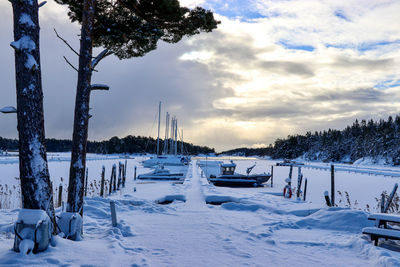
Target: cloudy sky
{"type": "Point", "coordinates": [272, 68]}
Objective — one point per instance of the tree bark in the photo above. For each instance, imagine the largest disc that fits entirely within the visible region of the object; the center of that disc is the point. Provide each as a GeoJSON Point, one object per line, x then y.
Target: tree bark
{"type": "Point", "coordinates": [34, 174]}
{"type": "Point", "coordinates": [81, 117]}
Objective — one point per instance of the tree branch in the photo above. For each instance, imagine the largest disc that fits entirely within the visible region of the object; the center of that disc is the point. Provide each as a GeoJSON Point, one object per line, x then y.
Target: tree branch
{"type": "Point", "coordinates": [42, 4]}
{"type": "Point", "coordinates": [69, 63]}
{"type": "Point", "coordinates": [99, 87]}
{"type": "Point", "coordinates": [66, 42]}
{"type": "Point", "coordinates": [99, 57]}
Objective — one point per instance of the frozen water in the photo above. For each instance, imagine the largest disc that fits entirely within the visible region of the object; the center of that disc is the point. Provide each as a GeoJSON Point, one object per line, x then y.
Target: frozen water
{"type": "Point", "coordinates": [250, 227]}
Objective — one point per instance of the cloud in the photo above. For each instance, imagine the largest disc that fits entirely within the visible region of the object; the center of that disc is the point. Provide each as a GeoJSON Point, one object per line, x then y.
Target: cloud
{"type": "Point", "coordinates": [271, 69]}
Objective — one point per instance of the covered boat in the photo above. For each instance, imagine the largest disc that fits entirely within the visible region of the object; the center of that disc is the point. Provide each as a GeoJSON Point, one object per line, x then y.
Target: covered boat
{"type": "Point", "coordinates": [161, 174]}
{"type": "Point", "coordinates": [228, 177]}
{"type": "Point", "coordinates": [167, 160]}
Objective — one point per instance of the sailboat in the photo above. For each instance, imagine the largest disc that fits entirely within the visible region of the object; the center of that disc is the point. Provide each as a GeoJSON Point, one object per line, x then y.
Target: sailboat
{"type": "Point", "coordinates": [170, 156]}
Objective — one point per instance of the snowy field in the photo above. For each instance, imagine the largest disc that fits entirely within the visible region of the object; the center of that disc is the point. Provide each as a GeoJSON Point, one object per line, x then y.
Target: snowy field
{"type": "Point", "coordinates": [254, 227]}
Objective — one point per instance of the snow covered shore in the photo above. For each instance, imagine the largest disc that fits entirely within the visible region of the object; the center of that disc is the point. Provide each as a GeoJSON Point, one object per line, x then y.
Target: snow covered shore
{"type": "Point", "coordinates": [254, 227]}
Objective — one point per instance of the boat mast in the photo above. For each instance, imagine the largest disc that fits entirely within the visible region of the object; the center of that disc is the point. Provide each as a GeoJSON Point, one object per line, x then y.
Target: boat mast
{"type": "Point", "coordinates": [158, 134]}
{"type": "Point", "coordinates": [171, 136]}
{"type": "Point", "coordinates": [166, 134]}
{"type": "Point", "coordinates": [182, 142]}
{"type": "Point", "coordinates": [176, 137]}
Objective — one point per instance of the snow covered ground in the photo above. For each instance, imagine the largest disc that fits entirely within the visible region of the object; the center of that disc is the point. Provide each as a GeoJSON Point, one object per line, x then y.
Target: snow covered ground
{"type": "Point", "coordinates": [254, 227]}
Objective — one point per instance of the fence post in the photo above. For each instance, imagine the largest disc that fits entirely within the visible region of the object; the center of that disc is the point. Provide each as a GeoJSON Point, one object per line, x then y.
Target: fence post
{"type": "Point", "coordinates": [103, 171]}
{"type": "Point", "coordinates": [272, 175]}
{"type": "Point", "coordinates": [111, 180]}
{"type": "Point", "coordinates": [134, 177]}
{"type": "Point", "coordinates": [86, 181]}
{"type": "Point", "coordinates": [333, 185]}
{"type": "Point", "coordinates": [299, 180]}
{"type": "Point", "coordinates": [115, 178]}
{"type": "Point", "coordinates": [60, 188]}
{"type": "Point", "coordinates": [290, 173]}
{"type": "Point", "coordinates": [119, 175]}
{"type": "Point", "coordinates": [305, 190]}
{"type": "Point", "coordinates": [126, 164]}
{"type": "Point", "coordinates": [123, 175]}
{"type": "Point", "coordinates": [113, 213]}
{"type": "Point", "coordinates": [328, 201]}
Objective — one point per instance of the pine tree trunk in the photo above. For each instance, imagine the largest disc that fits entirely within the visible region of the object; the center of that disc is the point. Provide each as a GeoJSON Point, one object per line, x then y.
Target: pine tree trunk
{"type": "Point", "coordinates": [81, 119]}
{"type": "Point", "coordinates": [35, 179]}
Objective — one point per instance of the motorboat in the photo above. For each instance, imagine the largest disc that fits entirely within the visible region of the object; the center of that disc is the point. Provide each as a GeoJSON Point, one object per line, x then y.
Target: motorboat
{"type": "Point", "coordinates": [228, 177]}
{"type": "Point", "coordinates": [162, 174]}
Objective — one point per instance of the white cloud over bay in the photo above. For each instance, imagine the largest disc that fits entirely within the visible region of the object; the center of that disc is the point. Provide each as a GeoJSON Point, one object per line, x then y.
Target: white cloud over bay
{"type": "Point", "coordinates": [271, 69]}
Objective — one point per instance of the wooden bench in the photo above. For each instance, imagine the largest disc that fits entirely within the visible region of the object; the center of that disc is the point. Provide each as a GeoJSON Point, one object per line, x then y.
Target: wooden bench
{"type": "Point", "coordinates": [381, 229]}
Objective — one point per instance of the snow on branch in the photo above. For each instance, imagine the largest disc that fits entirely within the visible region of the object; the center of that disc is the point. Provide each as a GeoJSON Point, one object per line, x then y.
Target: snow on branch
{"type": "Point", "coordinates": [100, 56]}
{"type": "Point", "coordinates": [42, 4]}
{"type": "Point", "coordinates": [8, 109]}
{"type": "Point", "coordinates": [99, 87]}
{"type": "Point", "coordinates": [62, 39]}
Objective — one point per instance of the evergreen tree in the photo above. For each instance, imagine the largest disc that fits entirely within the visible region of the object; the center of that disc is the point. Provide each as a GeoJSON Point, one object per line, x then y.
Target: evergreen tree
{"type": "Point", "coordinates": [126, 28]}
{"type": "Point", "coordinates": [34, 175]}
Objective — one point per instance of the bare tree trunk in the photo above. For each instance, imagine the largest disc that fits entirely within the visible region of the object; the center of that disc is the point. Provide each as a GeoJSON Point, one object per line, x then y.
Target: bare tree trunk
{"type": "Point", "coordinates": [81, 119]}
{"type": "Point", "coordinates": [34, 173]}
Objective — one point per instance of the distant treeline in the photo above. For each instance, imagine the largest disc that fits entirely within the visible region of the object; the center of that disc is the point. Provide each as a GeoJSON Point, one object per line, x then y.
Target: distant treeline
{"type": "Point", "coordinates": [129, 144]}
{"type": "Point", "coordinates": [375, 139]}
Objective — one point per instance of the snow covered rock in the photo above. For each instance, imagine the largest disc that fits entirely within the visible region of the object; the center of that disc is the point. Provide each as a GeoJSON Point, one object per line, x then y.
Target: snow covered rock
{"type": "Point", "coordinates": [70, 225]}
{"type": "Point", "coordinates": [32, 231]}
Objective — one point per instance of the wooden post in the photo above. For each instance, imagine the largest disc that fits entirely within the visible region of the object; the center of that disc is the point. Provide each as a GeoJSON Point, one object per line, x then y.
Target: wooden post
{"type": "Point", "coordinates": [300, 179]}
{"type": "Point", "coordinates": [113, 213]}
{"type": "Point", "coordinates": [86, 181]}
{"type": "Point", "coordinates": [119, 175]}
{"type": "Point", "coordinates": [272, 176]}
{"type": "Point", "coordinates": [390, 198]}
{"type": "Point", "coordinates": [111, 180]}
{"type": "Point", "coordinates": [123, 174]}
{"type": "Point", "coordinates": [126, 164]}
{"type": "Point", "coordinates": [134, 177]}
{"type": "Point", "coordinates": [305, 190]}
{"type": "Point", "coordinates": [115, 178]}
{"type": "Point", "coordinates": [60, 189]}
{"type": "Point", "coordinates": [382, 203]}
{"type": "Point", "coordinates": [328, 201]}
{"type": "Point", "coordinates": [103, 171]}
{"type": "Point", "coordinates": [333, 185]}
